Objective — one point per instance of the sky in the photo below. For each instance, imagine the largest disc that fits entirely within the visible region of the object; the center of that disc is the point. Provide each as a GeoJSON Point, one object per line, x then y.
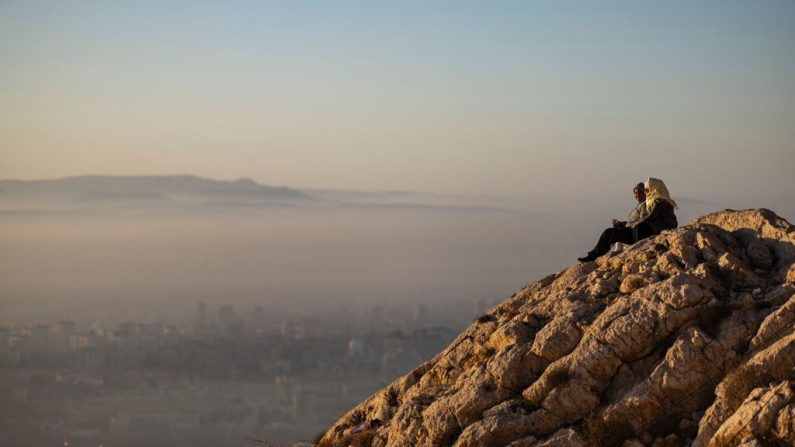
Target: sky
{"type": "Point", "coordinates": [552, 98]}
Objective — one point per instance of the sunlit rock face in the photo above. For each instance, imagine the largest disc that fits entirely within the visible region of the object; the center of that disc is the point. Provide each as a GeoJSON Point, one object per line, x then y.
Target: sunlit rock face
{"type": "Point", "coordinates": [686, 338]}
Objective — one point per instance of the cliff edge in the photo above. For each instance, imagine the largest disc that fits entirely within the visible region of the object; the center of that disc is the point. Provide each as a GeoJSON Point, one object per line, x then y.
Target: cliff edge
{"type": "Point", "coordinates": [686, 338]}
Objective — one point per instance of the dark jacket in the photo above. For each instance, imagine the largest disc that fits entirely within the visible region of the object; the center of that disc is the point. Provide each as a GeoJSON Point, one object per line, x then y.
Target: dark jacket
{"type": "Point", "coordinates": [660, 217]}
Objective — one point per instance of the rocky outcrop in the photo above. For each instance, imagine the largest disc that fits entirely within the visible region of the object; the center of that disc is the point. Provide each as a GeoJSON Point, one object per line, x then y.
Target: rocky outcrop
{"type": "Point", "coordinates": [686, 338]}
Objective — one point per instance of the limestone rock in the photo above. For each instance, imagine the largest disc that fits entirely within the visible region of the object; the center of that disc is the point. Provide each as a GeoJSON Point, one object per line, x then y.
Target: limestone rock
{"type": "Point", "coordinates": [631, 283]}
{"type": "Point", "coordinates": [688, 335]}
{"type": "Point", "coordinates": [766, 413]}
{"type": "Point", "coordinates": [557, 338]}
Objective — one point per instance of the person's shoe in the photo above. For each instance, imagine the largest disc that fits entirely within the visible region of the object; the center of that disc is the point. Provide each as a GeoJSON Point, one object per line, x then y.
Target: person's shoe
{"type": "Point", "coordinates": [588, 258]}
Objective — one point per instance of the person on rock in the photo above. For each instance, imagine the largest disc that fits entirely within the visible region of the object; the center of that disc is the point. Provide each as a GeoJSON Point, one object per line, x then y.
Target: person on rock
{"type": "Point", "coordinates": [621, 231]}
{"type": "Point", "coordinates": [660, 207]}
{"type": "Point", "coordinates": [654, 213]}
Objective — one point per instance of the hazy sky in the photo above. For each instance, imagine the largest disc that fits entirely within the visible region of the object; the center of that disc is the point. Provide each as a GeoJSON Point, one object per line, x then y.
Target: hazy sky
{"type": "Point", "coordinates": [524, 97]}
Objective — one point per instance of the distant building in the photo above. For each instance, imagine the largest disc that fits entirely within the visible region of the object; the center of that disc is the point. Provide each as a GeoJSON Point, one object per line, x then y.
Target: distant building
{"type": "Point", "coordinates": [39, 338]}
{"type": "Point", "coordinates": [226, 315]}
{"type": "Point", "coordinates": [4, 338]}
{"type": "Point", "coordinates": [287, 328]}
{"type": "Point", "coordinates": [61, 328]}
{"type": "Point", "coordinates": [377, 322]}
{"type": "Point", "coordinates": [356, 349]}
{"type": "Point", "coordinates": [129, 330]}
{"type": "Point", "coordinates": [60, 334]}
{"type": "Point", "coordinates": [201, 312]}
{"type": "Point", "coordinates": [78, 341]}
{"type": "Point", "coordinates": [398, 360]}
{"type": "Point", "coordinates": [420, 315]}
{"type": "Point", "coordinates": [297, 330]}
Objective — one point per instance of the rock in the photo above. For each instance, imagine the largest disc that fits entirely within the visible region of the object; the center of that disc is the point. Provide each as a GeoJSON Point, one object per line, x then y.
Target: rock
{"type": "Point", "coordinates": [557, 338]}
{"type": "Point", "coordinates": [476, 393]}
{"type": "Point", "coordinates": [759, 416]}
{"type": "Point", "coordinates": [775, 322]}
{"type": "Point", "coordinates": [784, 427]}
{"type": "Point", "coordinates": [515, 367]}
{"type": "Point", "coordinates": [565, 437]}
{"type": "Point", "coordinates": [788, 273]}
{"type": "Point", "coordinates": [524, 442]}
{"type": "Point", "coordinates": [751, 443]}
{"type": "Point", "coordinates": [500, 427]}
{"type": "Point", "coordinates": [773, 360]}
{"type": "Point", "coordinates": [634, 442]}
{"type": "Point", "coordinates": [511, 333]}
{"type": "Point", "coordinates": [440, 422]}
{"type": "Point", "coordinates": [687, 427]}
{"type": "Point", "coordinates": [688, 254]}
{"type": "Point", "coordinates": [703, 326]}
{"type": "Point", "coordinates": [669, 264]}
{"type": "Point", "coordinates": [632, 283]}
{"type": "Point", "coordinates": [761, 256]}
{"type": "Point", "coordinates": [741, 276]}
{"type": "Point", "coordinates": [602, 287]}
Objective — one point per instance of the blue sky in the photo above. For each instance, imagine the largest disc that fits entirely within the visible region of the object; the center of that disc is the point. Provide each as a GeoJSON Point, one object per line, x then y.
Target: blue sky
{"type": "Point", "coordinates": [558, 97]}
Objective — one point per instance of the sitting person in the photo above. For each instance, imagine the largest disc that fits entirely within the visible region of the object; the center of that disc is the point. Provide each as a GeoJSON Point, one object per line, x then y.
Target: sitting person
{"type": "Point", "coordinates": [660, 208]}
{"type": "Point", "coordinates": [620, 231]}
{"type": "Point", "coordinates": [658, 215]}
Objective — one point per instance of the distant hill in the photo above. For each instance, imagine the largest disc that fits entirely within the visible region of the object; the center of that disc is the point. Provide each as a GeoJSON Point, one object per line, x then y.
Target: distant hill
{"type": "Point", "coordinates": [103, 189]}
{"type": "Point", "coordinates": [192, 194]}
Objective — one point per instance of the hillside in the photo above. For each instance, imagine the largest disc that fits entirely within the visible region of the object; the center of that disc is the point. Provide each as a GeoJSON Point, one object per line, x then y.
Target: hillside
{"type": "Point", "coordinates": [686, 338]}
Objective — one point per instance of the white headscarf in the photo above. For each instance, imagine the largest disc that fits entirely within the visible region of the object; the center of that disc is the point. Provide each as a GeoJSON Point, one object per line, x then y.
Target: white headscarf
{"type": "Point", "coordinates": [655, 189]}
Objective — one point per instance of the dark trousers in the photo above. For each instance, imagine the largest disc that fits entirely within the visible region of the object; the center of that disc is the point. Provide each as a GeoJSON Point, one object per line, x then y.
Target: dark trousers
{"type": "Point", "coordinates": [624, 235]}
{"type": "Point", "coordinates": [612, 235]}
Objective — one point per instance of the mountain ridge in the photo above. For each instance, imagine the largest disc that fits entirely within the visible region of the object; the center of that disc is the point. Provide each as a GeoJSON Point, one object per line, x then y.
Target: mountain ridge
{"type": "Point", "coordinates": [86, 185]}
{"type": "Point", "coordinates": [191, 193]}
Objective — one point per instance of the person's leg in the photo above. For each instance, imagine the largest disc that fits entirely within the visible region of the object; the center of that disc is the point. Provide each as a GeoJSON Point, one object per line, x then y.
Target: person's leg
{"type": "Point", "coordinates": [623, 235]}
{"type": "Point", "coordinates": [602, 246]}
{"type": "Point", "coordinates": [642, 231]}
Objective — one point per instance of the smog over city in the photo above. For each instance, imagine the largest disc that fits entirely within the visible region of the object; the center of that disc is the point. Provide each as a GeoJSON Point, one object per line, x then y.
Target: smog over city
{"type": "Point", "coordinates": [223, 225]}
